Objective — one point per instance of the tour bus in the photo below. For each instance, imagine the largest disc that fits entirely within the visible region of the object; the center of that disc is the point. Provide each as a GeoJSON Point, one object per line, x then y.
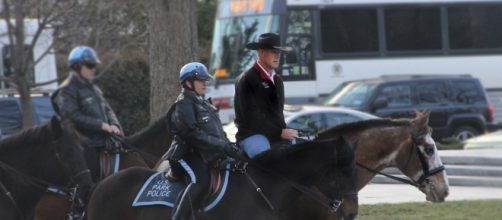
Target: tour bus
{"type": "Point", "coordinates": [336, 41]}
{"type": "Point", "coordinates": [42, 55]}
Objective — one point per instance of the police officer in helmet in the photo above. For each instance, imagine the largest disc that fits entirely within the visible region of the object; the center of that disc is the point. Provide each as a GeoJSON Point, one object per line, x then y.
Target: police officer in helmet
{"type": "Point", "coordinates": [81, 102]}
{"type": "Point", "coordinates": [199, 137]}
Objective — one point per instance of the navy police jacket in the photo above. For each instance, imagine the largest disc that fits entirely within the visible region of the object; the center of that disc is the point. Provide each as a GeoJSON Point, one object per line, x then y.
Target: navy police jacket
{"type": "Point", "coordinates": [83, 104]}
{"type": "Point", "coordinates": [197, 127]}
{"type": "Point", "coordinates": [259, 105]}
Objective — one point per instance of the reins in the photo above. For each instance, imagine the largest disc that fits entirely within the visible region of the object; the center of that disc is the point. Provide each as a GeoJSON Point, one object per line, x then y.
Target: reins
{"type": "Point", "coordinates": [11, 199]}
{"type": "Point", "coordinates": [128, 147]}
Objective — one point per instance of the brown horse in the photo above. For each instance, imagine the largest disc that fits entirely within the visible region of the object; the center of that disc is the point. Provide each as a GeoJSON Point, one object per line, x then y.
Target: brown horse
{"type": "Point", "coordinates": [34, 158]}
{"type": "Point", "coordinates": [282, 174]}
{"type": "Point", "coordinates": [144, 149]}
{"type": "Point", "coordinates": [381, 143]}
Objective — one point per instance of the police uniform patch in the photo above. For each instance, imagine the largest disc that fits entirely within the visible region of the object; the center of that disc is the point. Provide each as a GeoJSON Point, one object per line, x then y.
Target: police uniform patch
{"type": "Point", "coordinates": [88, 100]}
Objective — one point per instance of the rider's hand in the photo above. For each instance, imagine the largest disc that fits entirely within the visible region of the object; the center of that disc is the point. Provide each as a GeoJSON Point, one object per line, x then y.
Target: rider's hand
{"type": "Point", "coordinates": [116, 130]}
{"type": "Point", "coordinates": [289, 134]}
{"type": "Point", "coordinates": [111, 128]}
{"type": "Point", "coordinates": [235, 152]}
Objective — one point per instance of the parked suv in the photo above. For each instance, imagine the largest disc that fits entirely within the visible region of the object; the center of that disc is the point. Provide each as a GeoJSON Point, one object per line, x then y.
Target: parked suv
{"type": "Point", "coordinates": [457, 103]}
{"type": "Point", "coordinates": [10, 110]}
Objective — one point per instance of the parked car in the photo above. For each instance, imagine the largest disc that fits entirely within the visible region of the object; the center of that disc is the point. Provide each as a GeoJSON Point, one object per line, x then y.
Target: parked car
{"type": "Point", "coordinates": [10, 110]}
{"type": "Point", "coordinates": [486, 141]}
{"type": "Point", "coordinates": [458, 103]}
{"type": "Point", "coordinates": [310, 119]}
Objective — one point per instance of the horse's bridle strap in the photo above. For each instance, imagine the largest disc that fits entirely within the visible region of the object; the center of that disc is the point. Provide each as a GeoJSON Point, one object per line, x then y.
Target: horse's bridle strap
{"type": "Point", "coordinates": [403, 180]}
{"type": "Point", "coordinates": [11, 198]}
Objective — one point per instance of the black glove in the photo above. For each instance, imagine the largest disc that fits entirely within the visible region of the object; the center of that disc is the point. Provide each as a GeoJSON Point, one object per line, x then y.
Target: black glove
{"type": "Point", "coordinates": [235, 152]}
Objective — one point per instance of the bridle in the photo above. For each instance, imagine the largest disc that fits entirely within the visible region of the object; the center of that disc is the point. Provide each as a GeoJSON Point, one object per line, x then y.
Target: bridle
{"type": "Point", "coordinates": [415, 137]}
{"type": "Point", "coordinates": [425, 166]}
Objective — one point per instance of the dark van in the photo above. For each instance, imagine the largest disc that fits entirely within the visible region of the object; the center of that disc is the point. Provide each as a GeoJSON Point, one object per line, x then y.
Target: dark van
{"type": "Point", "coordinates": [10, 110]}
{"type": "Point", "coordinates": [458, 103]}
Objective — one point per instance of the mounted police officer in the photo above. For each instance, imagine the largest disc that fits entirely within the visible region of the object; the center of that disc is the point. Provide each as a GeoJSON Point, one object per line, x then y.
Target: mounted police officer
{"type": "Point", "coordinates": [80, 101]}
{"type": "Point", "coordinates": [199, 137]}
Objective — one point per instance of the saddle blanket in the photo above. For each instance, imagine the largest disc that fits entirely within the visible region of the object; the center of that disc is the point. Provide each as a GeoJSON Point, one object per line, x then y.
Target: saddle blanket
{"type": "Point", "coordinates": [158, 190]}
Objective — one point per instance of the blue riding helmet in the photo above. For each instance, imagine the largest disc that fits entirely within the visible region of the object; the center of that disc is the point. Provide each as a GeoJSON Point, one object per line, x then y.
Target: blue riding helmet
{"type": "Point", "coordinates": [194, 71]}
{"type": "Point", "coordinates": [83, 55]}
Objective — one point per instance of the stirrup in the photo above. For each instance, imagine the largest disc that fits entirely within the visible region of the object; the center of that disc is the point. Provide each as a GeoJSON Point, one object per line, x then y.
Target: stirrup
{"type": "Point", "coordinates": [76, 216]}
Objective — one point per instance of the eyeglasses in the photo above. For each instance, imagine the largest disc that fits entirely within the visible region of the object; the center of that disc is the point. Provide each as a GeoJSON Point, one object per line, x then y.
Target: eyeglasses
{"type": "Point", "coordinates": [90, 66]}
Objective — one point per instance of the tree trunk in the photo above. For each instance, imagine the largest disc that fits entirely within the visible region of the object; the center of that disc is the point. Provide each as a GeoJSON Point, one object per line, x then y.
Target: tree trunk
{"type": "Point", "coordinates": [173, 43]}
{"type": "Point", "coordinates": [26, 105]}
{"type": "Point", "coordinates": [19, 60]}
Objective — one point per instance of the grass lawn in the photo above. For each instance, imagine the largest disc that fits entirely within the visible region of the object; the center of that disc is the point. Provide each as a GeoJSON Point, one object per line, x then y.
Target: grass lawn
{"type": "Point", "coordinates": [458, 210]}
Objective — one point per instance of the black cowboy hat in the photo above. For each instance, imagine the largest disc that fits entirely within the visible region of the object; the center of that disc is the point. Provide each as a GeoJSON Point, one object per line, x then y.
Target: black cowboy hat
{"type": "Point", "coordinates": [268, 41]}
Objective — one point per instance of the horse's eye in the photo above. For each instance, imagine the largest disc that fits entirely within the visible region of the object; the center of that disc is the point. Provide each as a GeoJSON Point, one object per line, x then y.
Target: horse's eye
{"type": "Point", "coordinates": [429, 151]}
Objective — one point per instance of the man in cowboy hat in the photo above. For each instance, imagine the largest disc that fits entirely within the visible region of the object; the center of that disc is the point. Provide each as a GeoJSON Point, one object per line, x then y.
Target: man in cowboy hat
{"type": "Point", "coordinates": [259, 99]}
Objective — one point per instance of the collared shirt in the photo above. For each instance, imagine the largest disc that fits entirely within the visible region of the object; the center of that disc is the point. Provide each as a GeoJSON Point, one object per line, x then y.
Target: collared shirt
{"type": "Point", "coordinates": [270, 75]}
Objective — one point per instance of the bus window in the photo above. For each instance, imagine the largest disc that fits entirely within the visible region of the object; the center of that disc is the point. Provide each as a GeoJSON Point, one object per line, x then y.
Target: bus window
{"type": "Point", "coordinates": [298, 64]}
{"type": "Point", "coordinates": [475, 27]}
{"type": "Point", "coordinates": [417, 28]}
{"type": "Point", "coordinates": [229, 56]}
{"type": "Point", "coordinates": [349, 30]}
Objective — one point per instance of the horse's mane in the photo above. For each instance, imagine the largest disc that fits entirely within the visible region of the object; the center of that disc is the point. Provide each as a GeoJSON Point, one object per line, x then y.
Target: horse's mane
{"type": "Point", "coordinates": [151, 130]}
{"type": "Point", "coordinates": [277, 153]}
{"type": "Point", "coordinates": [363, 125]}
{"type": "Point", "coordinates": [12, 175]}
{"type": "Point", "coordinates": [298, 150]}
{"type": "Point", "coordinates": [38, 135]}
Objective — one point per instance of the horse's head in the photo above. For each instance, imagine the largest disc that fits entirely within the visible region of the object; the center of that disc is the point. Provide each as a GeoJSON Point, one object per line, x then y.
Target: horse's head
{"type": "Point", "coordinates": [340, 182]}
{"type": "Point", "coordinates": [68, 151]}
{"type": "Point", "coordinates": [50, 152]}
{"type": "Point", "coordinates": [422, 163]}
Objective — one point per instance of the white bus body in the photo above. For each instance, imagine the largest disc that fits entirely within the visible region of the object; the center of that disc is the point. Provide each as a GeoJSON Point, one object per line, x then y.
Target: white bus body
{"type": "Point", "coordinates": [45, 70]}
{"type": "Point", "coordinates": [342, 40]}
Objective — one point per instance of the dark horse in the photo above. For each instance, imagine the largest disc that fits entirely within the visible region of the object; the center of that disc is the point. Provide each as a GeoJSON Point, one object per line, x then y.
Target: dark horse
{"type": "Point", "coordinates": [405, 143]}
{"type": "Point", "coordinates": [327, 164]}
{"type": "Point", "coordinates": [145, 149]}
{"type": "Point", "coordinates": [34, 158]}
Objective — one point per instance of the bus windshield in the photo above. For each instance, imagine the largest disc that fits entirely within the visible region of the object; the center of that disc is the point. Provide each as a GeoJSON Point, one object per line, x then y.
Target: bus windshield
{"type": "Point", "coordinates": [229, 56]}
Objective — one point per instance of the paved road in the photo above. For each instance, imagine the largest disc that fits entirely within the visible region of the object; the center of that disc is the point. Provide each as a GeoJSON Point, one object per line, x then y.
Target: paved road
{"type": "Point", "coordinates": [399, 193]}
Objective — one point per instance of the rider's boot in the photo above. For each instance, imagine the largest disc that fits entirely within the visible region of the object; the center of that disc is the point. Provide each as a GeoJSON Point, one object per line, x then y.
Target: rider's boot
{"type": "Point", "coordinates": [182, 211]}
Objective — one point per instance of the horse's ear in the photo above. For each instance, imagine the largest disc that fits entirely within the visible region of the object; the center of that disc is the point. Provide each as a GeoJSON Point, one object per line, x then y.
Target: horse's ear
{"type": "Point", "coordinates": [56, 126]}
{"type": "Point", "coordinates": [421, 120]}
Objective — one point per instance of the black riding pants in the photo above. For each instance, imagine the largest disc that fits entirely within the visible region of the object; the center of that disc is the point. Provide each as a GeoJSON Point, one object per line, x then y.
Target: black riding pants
{"type": "Point", "coordinates": [195, 171]}
{"type": "Point", "coordinates": [91, 155]}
